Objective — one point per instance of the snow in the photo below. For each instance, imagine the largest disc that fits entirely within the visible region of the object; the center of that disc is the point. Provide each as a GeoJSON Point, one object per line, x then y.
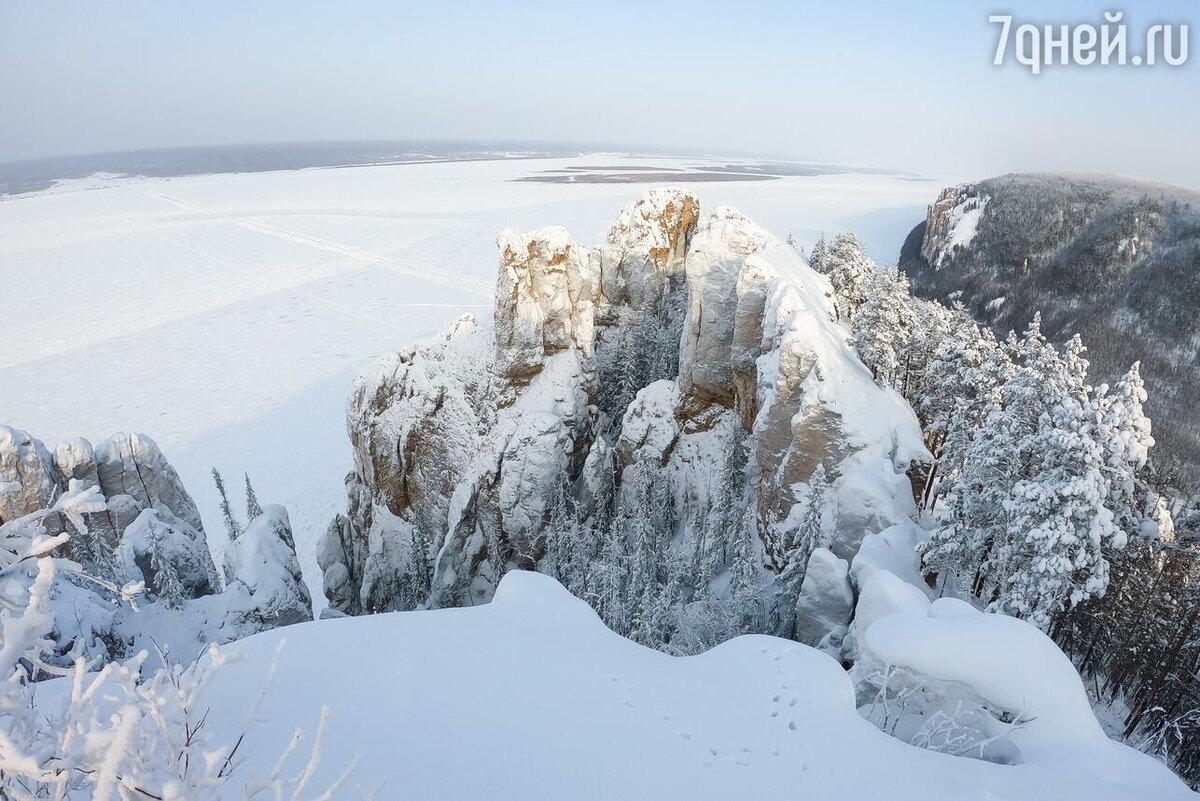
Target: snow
{"type": "Point", "coordinates": [225, 315]}
{"type": "Point", "coordinates": [892, 550]}
{"type": "Point", "coordinates": [530, 697]}
{"type": "Point", "coordinates": [943, 654]}
{"type": "Point", "coordinates": [964, 222]}
{"type": "Point", "coordinates": [1014, 667]}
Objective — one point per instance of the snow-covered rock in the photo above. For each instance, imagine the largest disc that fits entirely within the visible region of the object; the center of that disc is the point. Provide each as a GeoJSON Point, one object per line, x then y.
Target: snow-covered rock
{"type": "Point", "coordinates": [132, 464]}
{"type": "Point", "coordinates": [130, 470]}
{"type": "Point", "coordinates": [266, 570]}
{"type": "Point", "coordinates": [29, 479]}
{"type": "Point", "coordinates": [131, 523]}
{"type": "Point", "coordinates": [826, 600]}
{"type": "Point", "coordinates": [157, 538]}
{"type": "Point", "coordinates": [687, 367]}
{"type": "Point", "coordinates": [714, 264]}
{"type": "Point", "coordinates": [544, 298]}
{"type": "Point", "coordinates": [994, 687]}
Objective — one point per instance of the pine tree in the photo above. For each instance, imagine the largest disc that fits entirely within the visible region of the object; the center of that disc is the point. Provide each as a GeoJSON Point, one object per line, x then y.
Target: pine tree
{"type": "Point", "coordinates": [166, 579]}
{"type": "Point", "coordinates": [975, 519]}
{"type": "Point", "coordinates": [420, 572]}
{"type": "Point", "coordinates": [812, 533]}
{"type": "Point", "coordinates": [90, 550]}
{"type": "Point", "coordinates": [610, 600]}
{"type": "Point", "coordinates": [819, 255]}
{"type": "Point", "coordinates": [931, 324]}
{"type": "Point", "coordinates": [742, 572]}
{"type": "Point", "coordinates": [1031, 508]}
{"type": "Point", "coordinates": [232, 527]}
{"type": "Point", "coordinates": [557, 558]}
{"type": "Point", "coordinates": [1059, 521]}
{"type": "Point", "coordinates": [1124, 431]}
{"type": "Point", "coordinates": [629, 361]}
{"type": "Point", "coordinates": [848, 269]}
{"type": "Point", "coordinates": [880, 329]}
{"type": "Point", "coordinates": [642, 532]}
{"type": "Point", "coordinates": [253, 508]}
{"type": "Point", "coordinates": [973, 545]}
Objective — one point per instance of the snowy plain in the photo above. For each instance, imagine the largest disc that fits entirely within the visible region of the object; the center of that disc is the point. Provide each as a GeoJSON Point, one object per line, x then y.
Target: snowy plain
{"type": "Point", "coordinates": [225, 315]}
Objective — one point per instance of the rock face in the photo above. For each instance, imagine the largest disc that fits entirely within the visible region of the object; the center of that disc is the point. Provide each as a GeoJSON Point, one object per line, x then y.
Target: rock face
{"type": "Point", "coordinates": [142, 527]}
{"type": "Point", "coordinates": [1113, 260]}
{"type": "Point", "coordinates": [130, 470]}
{"type": "Point", "coordinates": [662, 394]}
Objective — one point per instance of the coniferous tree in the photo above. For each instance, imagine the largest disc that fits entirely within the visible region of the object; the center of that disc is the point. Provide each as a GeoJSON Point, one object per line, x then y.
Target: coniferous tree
{"type": "Point", "coordinates": [849, 270]}
{"type": "Point", "coordinates": [611, 601]}
{"type": "Point", "coordinates": [880, 330]}
{"type": "Point", "coordinates": [1124, 433]}
{"type": "Point", "coordinates": [629, 361]}
{"type": "Point", "coordinates": [1041, 491]}
{"type": "Point", "coordinates": [930, 324]}
{"type": "Point", "coordinates": [813, 532]}
{"type": "Point", "coordinates": [232, 527]}
{"type": "Point", "coordinates": [253, 508]}
{"type": "Point", "coordinates": [166, 579]}
{"type": "Point", "coordinates": [742, 573]}
{"type": "Point", "coordinates": [819, 255]}
{"type": "Point", "coordinates": [89, 549]}
{"type": "Point", "coordinates": [421, 571]}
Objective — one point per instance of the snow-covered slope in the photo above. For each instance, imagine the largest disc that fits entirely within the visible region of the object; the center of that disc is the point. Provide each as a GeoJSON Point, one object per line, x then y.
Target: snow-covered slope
{"type": "Point", "coordinates": [530, 697]}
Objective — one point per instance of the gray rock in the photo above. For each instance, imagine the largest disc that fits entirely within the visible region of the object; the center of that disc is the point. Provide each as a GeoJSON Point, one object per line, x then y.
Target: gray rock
{"type": "Point", "coordinates": [826, 601]}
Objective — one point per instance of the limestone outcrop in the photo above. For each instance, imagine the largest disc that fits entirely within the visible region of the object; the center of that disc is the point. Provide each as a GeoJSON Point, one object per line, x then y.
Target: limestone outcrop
{"type": "Point", "coordinates": [674, 389]}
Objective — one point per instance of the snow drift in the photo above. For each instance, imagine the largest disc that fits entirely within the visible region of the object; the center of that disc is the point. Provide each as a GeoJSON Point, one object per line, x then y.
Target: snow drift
{"type": "Point", "coordinates": [567, 709]}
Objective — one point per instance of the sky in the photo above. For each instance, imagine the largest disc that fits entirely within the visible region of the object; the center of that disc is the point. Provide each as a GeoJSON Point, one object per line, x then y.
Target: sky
{"type": "Point", "coordinates": [885, 84]}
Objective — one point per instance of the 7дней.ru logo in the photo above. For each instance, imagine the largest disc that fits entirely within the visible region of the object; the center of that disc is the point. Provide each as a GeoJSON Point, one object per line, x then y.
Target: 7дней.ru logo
{"type": "Point", "coordinates": [1037, 46]}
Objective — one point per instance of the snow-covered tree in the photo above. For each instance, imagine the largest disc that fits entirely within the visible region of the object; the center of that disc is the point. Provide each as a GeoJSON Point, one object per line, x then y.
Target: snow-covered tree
{"type": "Point", "coordinates": [818, 256]}
{"type": "Point", "coordinates": [742, 571]}
{"type": "Point", "coordinates": [609, 572]}
{"type": "Point", "coordinates": [123, 731]}
{"type": "Point", "coordinates": [880, 329]}
{"type": "Point", "coordinates": [232, 527]}
{"type": "Point", "coordinates": [1059, 522]}
{"type": "Point", "coordinates": [1123, 430]}
{"type": "Point", "coordinates": [931, 323]}
{"type": "Point", "coordinates": [849, 270]}
{"type": "Point", "coordinates": [1044, 487]}
{"type": "Point", "coordinates": [253, 507]}
{"type": "Point", "coordinates": [812, 532]}
{"type": "Point", "coordinates": [959, 389]}
{"type": "Point", "coordinates": [166, 582]}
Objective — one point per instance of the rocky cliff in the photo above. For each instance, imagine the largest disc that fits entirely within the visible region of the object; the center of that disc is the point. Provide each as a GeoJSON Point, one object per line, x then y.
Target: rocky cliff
{"type": "Point", "coordinates": [645, 420]}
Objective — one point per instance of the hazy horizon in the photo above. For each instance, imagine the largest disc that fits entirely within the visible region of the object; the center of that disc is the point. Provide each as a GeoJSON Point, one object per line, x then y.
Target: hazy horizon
{"type": "Point", "coordinates": [873, 85]}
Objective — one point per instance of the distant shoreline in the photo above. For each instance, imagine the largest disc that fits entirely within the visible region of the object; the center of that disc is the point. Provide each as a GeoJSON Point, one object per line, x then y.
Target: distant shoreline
{"type": "Point", "coordinates": [37, 175]}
